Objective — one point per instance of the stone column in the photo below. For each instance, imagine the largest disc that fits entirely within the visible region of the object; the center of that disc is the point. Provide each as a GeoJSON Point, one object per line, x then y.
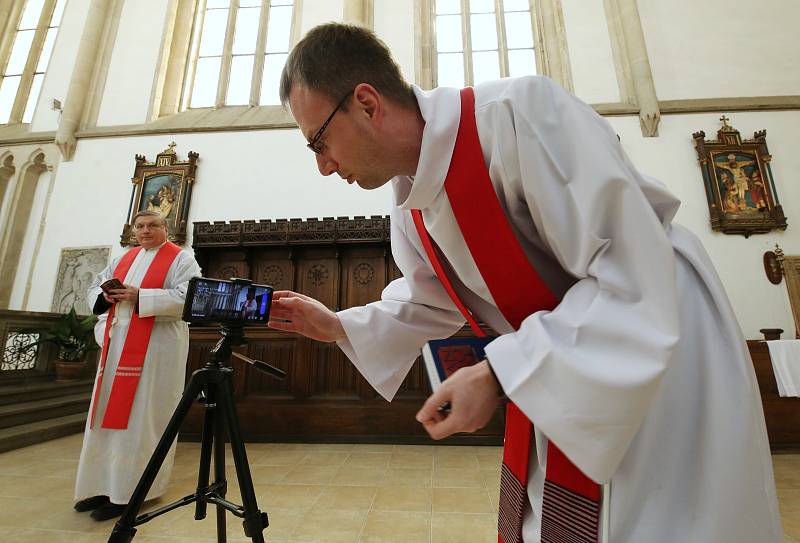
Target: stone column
{"type": "Point", "coordinates": [88, 54]}
{"type": "Point", "coordinates": [554, 42]}
{"type": "Point", "coordinates": [359, 12]}
{"type": "Point", "coordinates": [641, 77]}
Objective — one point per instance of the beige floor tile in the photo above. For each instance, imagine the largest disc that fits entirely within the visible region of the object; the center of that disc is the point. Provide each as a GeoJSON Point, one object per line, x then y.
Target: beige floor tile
{"type": "Point", "coordinates": [491, 478]}
{"type": "Point", "coordinates": [454, 477]}
{"type": "Point", "coordinates": [461, 461]}
{"type": "Point", "coordinates": [51, 468]}
{"type": "Point", "coordinates": [491, 461]}
{"type": "Point", "coordinates": [31, 535]}
{"type": "Point", "coordinates": [461, 500]}
{"type": "Point", "coordinates": [368, 459]}
{"type": "Point", "coordinates": [397, 527]}
{"type": "Point", "coordinates": [411, 460]}
{"type": "Point", "coordinates": [346, 498]}
{"type": "Point", "coordinates": [287, 496]}
{"type": "Point", "coordinates": [403, 498]}
{"type": "Point", "coordinates": [342, 447]}
{"type": "Point", "coordinates": [353, 475]}
{"type": "Point", "coordinates": [36, 487]}
{"type": "Point", "coordinates": [279, 457]}
{"type": "Point", "coordinates": [325, 526]}
{"type": "Point", "coordinates": [181, 523]}
{"type": "Point", "coordinates": [268, 474]}
{"type": "Point", "coordinates": [787, 470]}
{"type": "Point", "coordinates": [462, 528]}
{"type": "Point", "coordinates": [324, 458]}
{"type": "Point", "coordinates": [791, 526]}
{"type": "Point", "coordinates": [28, 512]}
{"type": "Point", "coordinates": [375, 493]}
{"type": "Point", "coordinates": [789, 500]}
{"type": "Point", "coordinates": [309, 475]}
{"type": "Point", "coordinates": [374, 447]}
{"type": "Point", "coordinates": [407, 477]}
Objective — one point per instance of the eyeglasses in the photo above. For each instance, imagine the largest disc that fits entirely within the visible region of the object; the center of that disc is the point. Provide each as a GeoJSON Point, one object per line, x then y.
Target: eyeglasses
{"type": "Point", "coordinates": [147, 226]}
{"type": "Point", "coordinates": [314, 143]}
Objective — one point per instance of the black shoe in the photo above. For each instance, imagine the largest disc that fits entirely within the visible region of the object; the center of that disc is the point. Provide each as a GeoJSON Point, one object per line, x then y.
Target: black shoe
{"type": "Point", "coordinates": [91, 503]}
{"type": "Point", "coordinates": [108, 511]}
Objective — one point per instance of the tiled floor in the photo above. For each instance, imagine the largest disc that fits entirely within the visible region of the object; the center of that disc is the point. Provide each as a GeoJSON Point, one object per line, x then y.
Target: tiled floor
{"type": "Point", "coordinates": [313, 493]}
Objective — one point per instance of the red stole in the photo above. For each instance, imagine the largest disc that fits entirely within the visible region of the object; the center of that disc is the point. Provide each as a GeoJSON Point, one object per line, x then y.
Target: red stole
{"type": "Point", "coordinates": [131, 361]}
{"type": "Point", "coordinates": [571, 508]}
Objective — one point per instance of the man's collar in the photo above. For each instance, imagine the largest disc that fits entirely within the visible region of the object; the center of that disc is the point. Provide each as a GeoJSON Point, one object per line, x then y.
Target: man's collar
{"type": "Point", "coordinates": [156, 247]}
{"type": "Point", "coordinates": [441, 109]}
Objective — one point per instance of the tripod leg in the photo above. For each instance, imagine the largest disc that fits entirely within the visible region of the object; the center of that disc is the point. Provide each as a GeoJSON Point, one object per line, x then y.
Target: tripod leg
{"type": "Point", "coordinates": [219, 472]}
{"type": "Point", "coordinates": [123, 530]}
{"type": "Point", "coordinates": [254, 520]}
{"type": "Point", "coordinates": [207, 441]}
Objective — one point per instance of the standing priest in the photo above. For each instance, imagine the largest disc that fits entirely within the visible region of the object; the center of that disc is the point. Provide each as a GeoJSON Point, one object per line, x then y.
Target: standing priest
{"type": "Point", "coordinates": [142, 368]}
{"type": "Point", "coordinates": [514, 204]}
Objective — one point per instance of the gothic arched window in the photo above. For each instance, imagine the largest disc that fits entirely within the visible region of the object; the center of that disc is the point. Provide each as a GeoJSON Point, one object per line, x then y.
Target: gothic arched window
{"type": "Point", "coordinates": [479, 40]}
{"type": "Point", "coordinates": [238, 50]}
{"type": "Point", "coordinates": [25, 49]}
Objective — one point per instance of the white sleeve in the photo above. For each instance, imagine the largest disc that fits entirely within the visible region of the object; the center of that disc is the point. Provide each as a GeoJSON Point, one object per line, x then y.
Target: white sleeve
{"type": "Point", "coordinates": [586, 372]}
{"type": "Point", "coordinates": [169, 301]}
{"type": "Point", "coordinates": [94, 289]}
{"type": "Point", "coordinates": [413, 310]}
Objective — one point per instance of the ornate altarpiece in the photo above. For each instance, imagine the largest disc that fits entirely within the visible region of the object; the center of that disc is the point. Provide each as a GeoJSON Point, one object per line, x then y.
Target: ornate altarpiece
{"type": "Point", "coordinates": [738, 180]}
{"type": "Point", "coordinates": [164, 186]}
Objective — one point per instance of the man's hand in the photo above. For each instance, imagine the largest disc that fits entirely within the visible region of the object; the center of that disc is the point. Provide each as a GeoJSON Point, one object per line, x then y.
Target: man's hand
{"type": "Point", "coordinates": [304, 315]}
{"type": "Point", "coordinates": [108, 298]}
{"type": "Point", "coordinates": [127, 294]}
{"type": "Point", "coordinates": [472, 393]}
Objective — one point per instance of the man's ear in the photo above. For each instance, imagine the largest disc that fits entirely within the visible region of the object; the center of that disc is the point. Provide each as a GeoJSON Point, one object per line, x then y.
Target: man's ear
{"type": "Point", "coordinates": [369, 100]}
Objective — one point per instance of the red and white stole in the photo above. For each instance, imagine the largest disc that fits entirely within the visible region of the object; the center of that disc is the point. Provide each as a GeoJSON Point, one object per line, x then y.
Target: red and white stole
{"type": "Point", "coordinates": [571, 508]}
{"type": "Point", "coordinates": [134, 350]}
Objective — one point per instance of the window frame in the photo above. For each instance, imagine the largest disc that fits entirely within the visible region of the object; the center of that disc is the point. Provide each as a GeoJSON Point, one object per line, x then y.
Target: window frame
{"type": "Point", "coordinates": [466, 40]}
{"type": "Point", "coordinates": [227, 55]}
{"type": "Point", "coordinates": [549, 42]}
{"type": "Point", "coordinates": [10, 31]}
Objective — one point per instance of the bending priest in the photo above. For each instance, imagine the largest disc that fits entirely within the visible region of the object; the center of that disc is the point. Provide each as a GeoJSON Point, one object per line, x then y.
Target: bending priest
{"type": "Point", "coordinates": [142, 368]}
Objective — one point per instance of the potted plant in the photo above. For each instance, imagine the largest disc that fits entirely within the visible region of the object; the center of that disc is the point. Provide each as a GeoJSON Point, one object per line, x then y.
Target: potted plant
{"type": "Point", "coordinates": [74, 338]}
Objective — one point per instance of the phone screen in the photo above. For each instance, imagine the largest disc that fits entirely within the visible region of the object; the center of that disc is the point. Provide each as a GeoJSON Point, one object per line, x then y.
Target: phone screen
{"type": "Point", "coordinates": [217, 300]}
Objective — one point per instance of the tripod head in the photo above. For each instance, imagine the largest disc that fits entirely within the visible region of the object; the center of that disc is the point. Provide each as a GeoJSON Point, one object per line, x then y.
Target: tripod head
{"type": "Point", "coordinates": [233, 336]}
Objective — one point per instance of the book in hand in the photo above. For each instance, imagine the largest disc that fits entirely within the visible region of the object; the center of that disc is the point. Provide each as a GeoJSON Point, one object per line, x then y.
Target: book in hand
{"type": "Point", "coordinates": [443, 357]}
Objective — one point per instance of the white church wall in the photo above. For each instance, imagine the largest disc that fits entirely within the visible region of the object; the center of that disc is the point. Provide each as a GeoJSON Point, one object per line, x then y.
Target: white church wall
{"type": "Point", "coordinates": [718, 48]}
{"type": "Point", "coordinates": [129, 85]}
{"type": "Point", "coordinates": [59, 69]}
{"type": "Point", "coordinates": [672, 159]}
{"type": "Point", "coordinates": [317, 12]}
{"type": "Point", "coordinates": [593, 74]}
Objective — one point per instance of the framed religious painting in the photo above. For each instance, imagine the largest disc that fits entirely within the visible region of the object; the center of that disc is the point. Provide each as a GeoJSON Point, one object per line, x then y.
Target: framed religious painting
{"type": "Point", "coordinates": [738, 181]}
{"type": "Point", "coordinates": [163, 186]}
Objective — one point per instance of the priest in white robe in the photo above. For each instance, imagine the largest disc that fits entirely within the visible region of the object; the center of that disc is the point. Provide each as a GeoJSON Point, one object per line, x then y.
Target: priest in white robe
{"type": "Point", "coordinates": [112, 460]}
{"type": "Point", "coordinates": [640, 374]}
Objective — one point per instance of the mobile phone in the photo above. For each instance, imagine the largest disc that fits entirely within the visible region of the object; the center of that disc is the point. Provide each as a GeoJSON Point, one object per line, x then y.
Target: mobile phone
{"type": "Point", "coordinates": [237, 301]}
{"type": "Point", "coordinates": [111, 284]}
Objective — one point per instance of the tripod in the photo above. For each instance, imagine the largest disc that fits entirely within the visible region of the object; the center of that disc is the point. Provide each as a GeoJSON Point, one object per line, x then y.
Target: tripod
{"type": "Point", "coordinates": [214, 384]}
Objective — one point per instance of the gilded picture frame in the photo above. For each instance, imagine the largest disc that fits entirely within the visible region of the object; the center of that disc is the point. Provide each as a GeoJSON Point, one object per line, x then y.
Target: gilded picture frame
{"type": "Point", "coordinates": [738, 180]}
{"type": "Point", "coordinates": [164, 186]}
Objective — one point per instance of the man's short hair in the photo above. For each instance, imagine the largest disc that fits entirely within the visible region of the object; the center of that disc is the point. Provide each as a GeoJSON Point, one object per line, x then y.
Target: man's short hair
{"type": "Point", "coordinates": [332, 59]}
{"type": "Point", "coordinates": [150, 214]}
